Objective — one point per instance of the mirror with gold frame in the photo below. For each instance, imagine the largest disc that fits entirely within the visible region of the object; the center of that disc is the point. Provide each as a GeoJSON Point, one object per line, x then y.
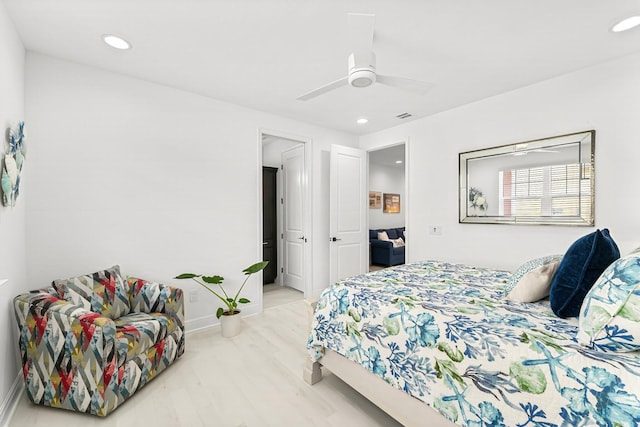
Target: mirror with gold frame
{"type": "Point", "coordinates": [543, 181]}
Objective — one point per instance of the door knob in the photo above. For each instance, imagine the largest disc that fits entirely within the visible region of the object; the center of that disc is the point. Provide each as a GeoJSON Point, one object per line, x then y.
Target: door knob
{"type": "Point", "coordinates": [301, 238]}
{"type": "Point", "coordinates": [334, 239]}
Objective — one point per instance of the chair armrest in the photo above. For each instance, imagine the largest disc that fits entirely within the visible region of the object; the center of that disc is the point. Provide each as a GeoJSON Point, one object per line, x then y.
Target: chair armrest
{"type": "Point", "coordinates": [70, 337]}
{"type": "Point", "coordinates": [381, 244]}
{"type": "Point", "coordinates": [153, 297]}
{"type": "Point", "coordinates": [41, 306]}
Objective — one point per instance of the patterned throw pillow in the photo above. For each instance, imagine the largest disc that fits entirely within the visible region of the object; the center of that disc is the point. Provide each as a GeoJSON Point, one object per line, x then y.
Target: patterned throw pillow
{"type": "Point", "coordinates": [528, 267]}
{"type": "Point", "coordinates": [610, 315]}
{"type": "Point", "coordinates": [103, 292]}
{"type": "Point", "coordinates": [397, 243]}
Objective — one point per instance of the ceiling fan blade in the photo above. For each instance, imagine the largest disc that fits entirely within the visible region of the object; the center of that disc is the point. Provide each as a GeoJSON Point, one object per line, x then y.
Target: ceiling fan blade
{"type": "Point", "coordinates": [361, 27]}
{"type": "Point", "coordinates": [413, 86]}
{"type": "Point", "coordinates": [323, 89]}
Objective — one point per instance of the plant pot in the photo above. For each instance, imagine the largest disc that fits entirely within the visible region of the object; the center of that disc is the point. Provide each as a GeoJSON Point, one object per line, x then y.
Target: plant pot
{"type": "Point", "coordinates": [231, 324]}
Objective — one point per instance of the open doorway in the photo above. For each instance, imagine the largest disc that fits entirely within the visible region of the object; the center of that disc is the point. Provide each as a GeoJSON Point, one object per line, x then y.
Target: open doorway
{"type": "Point", "coordinates": [387, 206]}
{"type": "Point", "coordinates": [285, 222]}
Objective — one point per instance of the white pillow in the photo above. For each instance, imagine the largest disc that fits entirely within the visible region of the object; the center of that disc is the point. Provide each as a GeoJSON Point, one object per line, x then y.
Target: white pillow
{"type": "Point", "coordinates": [397, 243]}
{"type": "Point", "coordinates": [382, 235]}
{"type": "Point", "coordinates": [535, 284]}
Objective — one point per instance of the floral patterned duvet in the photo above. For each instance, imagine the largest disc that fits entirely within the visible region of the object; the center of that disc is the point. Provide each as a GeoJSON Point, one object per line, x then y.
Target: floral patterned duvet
{"type": "Point", "coordinates": [443, 333]}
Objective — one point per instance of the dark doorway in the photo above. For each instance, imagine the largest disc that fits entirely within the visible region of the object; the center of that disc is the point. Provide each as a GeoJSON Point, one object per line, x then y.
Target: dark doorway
{"type": "Point", "coordinates": [269, 224]}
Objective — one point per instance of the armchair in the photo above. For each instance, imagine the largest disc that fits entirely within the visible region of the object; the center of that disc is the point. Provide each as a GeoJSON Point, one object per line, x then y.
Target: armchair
{"type": "Point", "coordinates": [89, 343]}
{"type": "Point", "coordinates": [382, 251]}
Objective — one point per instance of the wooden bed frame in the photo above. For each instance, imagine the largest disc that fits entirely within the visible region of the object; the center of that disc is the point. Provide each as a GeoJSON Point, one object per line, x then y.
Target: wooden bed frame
{"type": "Point", "coordinates": [403, 407]}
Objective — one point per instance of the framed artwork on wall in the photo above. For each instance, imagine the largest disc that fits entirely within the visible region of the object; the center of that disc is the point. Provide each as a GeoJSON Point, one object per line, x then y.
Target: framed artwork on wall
{"type": "Point", "coordinates": [375, 200]}
{"type": "Point", "coordinates": [391, 203]}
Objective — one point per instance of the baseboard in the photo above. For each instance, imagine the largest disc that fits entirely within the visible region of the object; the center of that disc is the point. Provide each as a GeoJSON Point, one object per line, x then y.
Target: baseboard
{"type": "Point", "coordinates": [200, 323]}
{"type": "Point", "coordinates": [206, 322]}
{"type": "Point", "coordinates": [10, 403]}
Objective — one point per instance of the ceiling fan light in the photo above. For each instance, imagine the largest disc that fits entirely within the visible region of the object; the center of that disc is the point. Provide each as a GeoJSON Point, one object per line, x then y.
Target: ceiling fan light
{"type": "Point", "coordinates": [362, 121]}
{"type": "Point", "coordinates": [626, 24]}
{"type": "Point", "coordinates": [362, 78]}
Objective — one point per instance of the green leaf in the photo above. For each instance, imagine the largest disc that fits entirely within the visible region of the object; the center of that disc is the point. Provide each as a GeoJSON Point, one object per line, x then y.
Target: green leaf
{"type": "Point", "coordinates": [230, 300]}
{"type": "Point", "coordinates": [258, 266]}
{"type": "Point", "coordinates": [454, 353]}
{"type": "Point", "coordinates": [595, 319]}
{"type": "Point", "coordinates": [215, 280]}
{"type": "Point", "coordinates": [243, 300]}
{"type": "Point", "coordinates": [448, 409]}
{"type": "Point", "coordinates": [352, 328]}
{"type": "Point", "coordinates": [529, 378]}
{"type": "Point", "coordinates": [186, 276]}
{"type": "Point", "coordinates": [469, 310]}
{"type": "Point", "coordinates": [234, 304]}
{"type": "Point", "coordinates": [392, 326]}
{"type": "Point", "coordinates": [354, 314]}
{"type": "Point", "coordinates": [219, 312]}
{"type": "Point", "coordinates": [631, 309]}
{"type": "Point", "coordinates": [443, 367]}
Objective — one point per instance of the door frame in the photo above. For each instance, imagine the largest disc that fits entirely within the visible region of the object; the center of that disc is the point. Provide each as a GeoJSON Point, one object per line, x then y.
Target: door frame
{"type": "Point", "coordinates": [307, 144]}
{"type": "Point", "coordinates": [407, 198]}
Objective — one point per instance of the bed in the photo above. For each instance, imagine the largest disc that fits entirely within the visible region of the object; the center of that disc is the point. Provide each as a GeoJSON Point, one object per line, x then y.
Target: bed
{"type": "Point", "coordinates": [436, 343]}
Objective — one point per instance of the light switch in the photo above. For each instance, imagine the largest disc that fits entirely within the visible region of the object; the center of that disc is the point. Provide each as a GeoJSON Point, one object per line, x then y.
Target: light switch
{"type": "Point", "coordinates": [435, 230]}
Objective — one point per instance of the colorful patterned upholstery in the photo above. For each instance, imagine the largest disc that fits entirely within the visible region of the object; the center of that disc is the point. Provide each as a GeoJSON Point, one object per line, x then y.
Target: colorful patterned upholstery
{"type": "Point", "coordinates": [83, 360]}
{"type": "Point", "coordinates": [103, 292]}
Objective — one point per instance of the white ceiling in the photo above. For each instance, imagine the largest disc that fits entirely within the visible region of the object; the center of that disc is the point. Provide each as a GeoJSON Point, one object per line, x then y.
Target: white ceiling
{"type": "Point", "coordinates": [264, 53]}
{"type": "Point", "coordinates": [388, 156]}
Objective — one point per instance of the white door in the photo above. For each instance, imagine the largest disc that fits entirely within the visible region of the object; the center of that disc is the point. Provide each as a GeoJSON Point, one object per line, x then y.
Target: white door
{"type": "Point", "coordinates": [293, 236]}
{"type": "Point", "coordinates": [348, 239]}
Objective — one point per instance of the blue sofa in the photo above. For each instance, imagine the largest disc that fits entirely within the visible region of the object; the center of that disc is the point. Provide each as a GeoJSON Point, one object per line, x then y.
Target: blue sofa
{"type": "Point", "coordinates": [382, 251]}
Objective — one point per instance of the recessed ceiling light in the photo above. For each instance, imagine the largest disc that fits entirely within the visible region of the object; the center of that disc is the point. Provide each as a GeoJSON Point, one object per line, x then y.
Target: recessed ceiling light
{"type": "Point", "coordinates": [398, 161]}
{"type": "Point", "coordinates": [626, 24]}
{"type": "Point", "coordinates": [362, 121]}
{"type": "Point", "coordinates": [116, 42]}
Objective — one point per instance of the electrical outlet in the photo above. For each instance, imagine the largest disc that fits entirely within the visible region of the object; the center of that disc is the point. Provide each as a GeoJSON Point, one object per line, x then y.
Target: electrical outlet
{"type": "Point", "coordinates": [435, 230]}
{"type": "Point", "coordinates": [193, 296]}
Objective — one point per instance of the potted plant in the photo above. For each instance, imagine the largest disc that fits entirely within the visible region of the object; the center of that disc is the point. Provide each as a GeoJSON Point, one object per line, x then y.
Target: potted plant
{"type": "Point", "coordinates": [229, 318]}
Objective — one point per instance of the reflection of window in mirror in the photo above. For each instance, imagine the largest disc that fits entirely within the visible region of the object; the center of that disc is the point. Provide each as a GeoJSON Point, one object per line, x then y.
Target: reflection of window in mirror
{"type": "Point", "coordinates": [545, 191]}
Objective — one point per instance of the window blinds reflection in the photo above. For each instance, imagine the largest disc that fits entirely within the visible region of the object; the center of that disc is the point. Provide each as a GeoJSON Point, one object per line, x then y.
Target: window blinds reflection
{"type": "Point", "coordinates": [546, 191]}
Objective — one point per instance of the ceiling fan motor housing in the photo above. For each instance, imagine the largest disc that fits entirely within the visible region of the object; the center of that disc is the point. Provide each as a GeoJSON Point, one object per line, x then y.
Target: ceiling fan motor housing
{"type": "Point", "coordinates": [363, 72]}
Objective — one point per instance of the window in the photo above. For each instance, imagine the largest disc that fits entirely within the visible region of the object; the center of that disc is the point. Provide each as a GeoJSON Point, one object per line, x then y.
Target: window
{"type": "Point", "coordinates": [547, 191]}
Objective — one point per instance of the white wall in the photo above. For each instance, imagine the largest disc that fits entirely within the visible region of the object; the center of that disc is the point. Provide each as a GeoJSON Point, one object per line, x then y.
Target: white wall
{"type": "Point", "coordinates": [386, 179]}
{"type": "Point", "coordinates": [604, 97]}
{"type": "Point", "coordinates": [12, 220]}
{"type": "Point", "coordinates": [155, 179]}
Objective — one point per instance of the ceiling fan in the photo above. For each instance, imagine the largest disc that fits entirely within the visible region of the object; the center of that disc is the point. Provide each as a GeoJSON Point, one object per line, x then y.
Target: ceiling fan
{"type": "Point", "coordinates": [362, 63]}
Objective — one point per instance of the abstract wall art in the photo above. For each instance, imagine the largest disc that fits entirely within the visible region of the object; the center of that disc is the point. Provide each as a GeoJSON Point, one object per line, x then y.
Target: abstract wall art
{"type": "Point", "coordinates": [12, 165]}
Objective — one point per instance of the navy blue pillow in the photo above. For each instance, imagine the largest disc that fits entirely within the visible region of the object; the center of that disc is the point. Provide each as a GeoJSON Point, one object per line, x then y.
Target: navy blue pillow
{"type": "Point", "coordinates": [582, 264]}
{"type": "Point", "coordinates": [392, 233]}
{"type": "Point", "coordinates": [373, 234]}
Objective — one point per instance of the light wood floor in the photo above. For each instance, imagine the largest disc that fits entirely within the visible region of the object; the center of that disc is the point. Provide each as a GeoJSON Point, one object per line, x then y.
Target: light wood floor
{"type": "Point", "coordinates": [253, 379]}
{"type": "Point", "coordinates": [276, 295]}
